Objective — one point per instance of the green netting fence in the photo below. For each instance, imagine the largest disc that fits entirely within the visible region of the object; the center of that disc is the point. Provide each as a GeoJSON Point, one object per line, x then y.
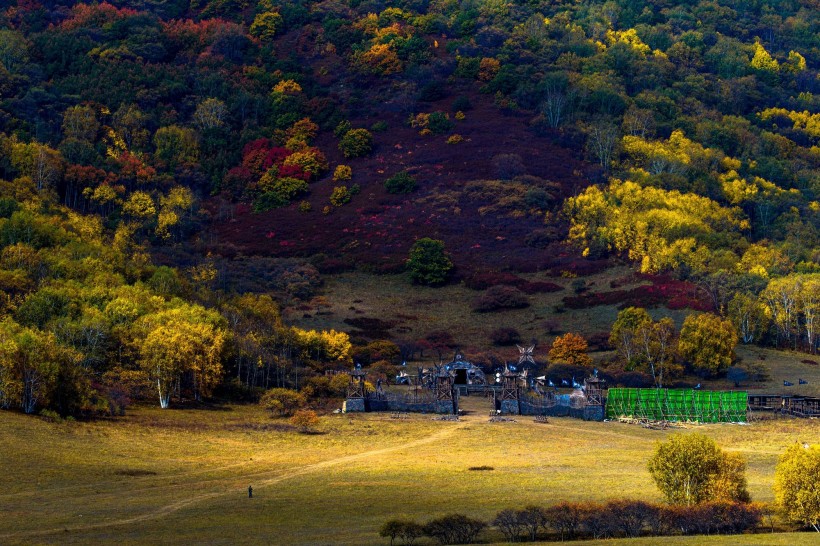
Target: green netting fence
{"type": "Point", "coordinates": [677, 405]}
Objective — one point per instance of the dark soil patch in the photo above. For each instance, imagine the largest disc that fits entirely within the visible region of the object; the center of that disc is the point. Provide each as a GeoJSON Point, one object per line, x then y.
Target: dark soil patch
{"type": "Point", "coordinates": [135, 472]}
{"type": "Point", "coordinates": [262, 427]}
{"type": "Point", "coordinates": [371, 327]}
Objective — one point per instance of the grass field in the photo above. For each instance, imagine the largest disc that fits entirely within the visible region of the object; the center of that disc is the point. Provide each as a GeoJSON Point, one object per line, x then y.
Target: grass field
{"type": "Point", "coordinates": [181, 476]}
{"type": "Point", "coordinates": [421, 310]}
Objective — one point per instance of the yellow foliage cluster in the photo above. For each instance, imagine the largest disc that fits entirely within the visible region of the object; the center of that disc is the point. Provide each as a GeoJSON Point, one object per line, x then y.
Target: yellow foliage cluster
{"type": "Point", "coordinates": [287, 87]}
{"type": "Point", "coordinates": [311, 160]}
{"type": "Point", "coordinates": [488, 68]}
{"type": "Point", "coordinates": [762, 60]}
{"type": "Point", "coordinates": [661, 229]}
{"type": "Point", "coordinates": [676, 155]}
{"type": "Point", "coordinates": [802, 121]}
{"type": "Point", "coordinates": [629, 37]}
{"type": "Point", "coordinates": [342, 173]}
{"type": "Point", "coordinates": [323, 345]}
{"type": "Point", "coordinates": [379, 59]}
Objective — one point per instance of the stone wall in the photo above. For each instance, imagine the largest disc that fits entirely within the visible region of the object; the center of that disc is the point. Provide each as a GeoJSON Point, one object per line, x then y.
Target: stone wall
{"type": "Point", "coordinates": [360, 405]}
{"type": "Point", "coordinates": [587, 413]}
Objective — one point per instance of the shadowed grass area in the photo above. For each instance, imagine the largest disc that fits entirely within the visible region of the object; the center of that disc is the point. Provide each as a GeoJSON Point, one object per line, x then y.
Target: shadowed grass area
{"type": "Point", "coordinates": [421, 310]}
{"type": "Point", "coordinates": [182, 475]}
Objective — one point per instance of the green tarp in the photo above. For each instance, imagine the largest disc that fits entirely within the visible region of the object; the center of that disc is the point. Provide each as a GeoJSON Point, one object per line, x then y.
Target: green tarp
{"type": "Point", "coordinates": [677, 405]}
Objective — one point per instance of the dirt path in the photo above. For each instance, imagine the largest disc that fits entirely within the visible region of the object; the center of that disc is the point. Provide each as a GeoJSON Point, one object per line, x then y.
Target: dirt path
{"type": "Point", "coordinates": [228, 486]}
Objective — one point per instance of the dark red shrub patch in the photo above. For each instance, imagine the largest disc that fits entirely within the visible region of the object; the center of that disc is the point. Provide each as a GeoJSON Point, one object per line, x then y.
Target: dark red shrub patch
{"type": "Point", "coordinates": [500, 297]}
{"type": "Point", "coordinates": [488, 279]}
{"type": "Point", "coordinates": [485, 280]}
{"type": "Point", "coordinates": [670, 293]}
{"type": "Point", "coordinates": [599, 341]}
{"type": "Point", "coordinates": [505, 336]}
{"type": "Point", "coordinates": [539, 287]}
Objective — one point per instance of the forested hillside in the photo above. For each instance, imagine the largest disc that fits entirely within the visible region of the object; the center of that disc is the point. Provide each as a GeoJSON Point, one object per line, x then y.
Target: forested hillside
{"type": "Point", "coordinates": [174, 172]}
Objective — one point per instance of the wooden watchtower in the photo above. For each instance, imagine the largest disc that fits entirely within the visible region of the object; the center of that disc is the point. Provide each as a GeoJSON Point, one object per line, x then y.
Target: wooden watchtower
{"type": "Point", "coordinates": [444, 386]}
{"type": "Point", "coordinates": [356, 389]}
{"type": "Point", "coordinates": [509, 386]}
{"type": "Point", "coordinates": [594, 389]}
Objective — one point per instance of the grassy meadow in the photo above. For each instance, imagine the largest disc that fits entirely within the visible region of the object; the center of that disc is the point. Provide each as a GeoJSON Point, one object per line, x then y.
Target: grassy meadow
{"type": "Point", "coordinates": [424, 309]}
{"type": "Point", "coordinates": [181, 476]}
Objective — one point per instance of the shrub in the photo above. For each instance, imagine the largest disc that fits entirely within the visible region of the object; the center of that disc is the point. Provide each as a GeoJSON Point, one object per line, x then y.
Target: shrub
{"type": "Point", "coordinates": [400, 183]}
{"type": "Point", "coordinates": [460, 116]}
{"type": "Point", "coordinates": [342, 173]}
{"type": "Point", "coordinates": [356, 143]}
{"type": "Point", "coordinates": [338, 384]}
{"type": "Point", "coordinates": [432, 91]}
{"type": "Point", "coordinates": [500, 297]}
{"type": "Point", "coordinates": [340, 196]}
{"type": "Point", "coordinates": [305, 206]}
{"type": "Point", "coordinates": [596, 522]}
{"type": "Point", "coordinates": [691, 468]}
{"type": "Point", "coordinates": [428, 263]}
{"type": "Point", "coordinates": [455, 139]}
{"type": "Point", "coordinates": [509, 523]}
{"type": "Point", "coordinates": [795, 484]}
{"type": "Point", "coordinates": [305, 420]}
{"type": "Point", "coordinates": [454, 529]}
{"type": "Point", "coordinates": [279, 192]}
{"type": "Point", "coordinates": [282, 402]}
{"type": "Point", "coordinates": [384, 370]}
{"type": "Point", "coordinates": [462, 104]}
{"type": "Point", "coordinates": [342, 128]}
{"type": "Point", "coordinates": [488, 68]}
{"type": "Point", "coordinates": [508, 166]}
{"type": "Point", "coordinates": [505, 336]}
{"type": "Point", "coordinates": [707, 518]}
{"type": "Point", "coordinates": [565, 518]}
{"type": "Point", "coordinates": [310, 160]}
{"type": "Point", "coordinates": [439, 122]}
{"type": "Point", "coordinates": [379, 127]}
{"type": "Point", "coordinates": [533, 518]}
{"type": "Point", "coordinates": [538, 198]}
{"type": "Point", "coordinates": [630, 517]}
{"type": "Point", "coordinates": [406, 530]}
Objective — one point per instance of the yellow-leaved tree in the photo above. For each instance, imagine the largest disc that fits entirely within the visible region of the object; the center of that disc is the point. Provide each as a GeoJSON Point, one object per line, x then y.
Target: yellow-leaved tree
{"type": "Point", "coordinates": [708, 342]}
{"type": "Point", "coordinates": [183, 344]}
{"type": "Point", "coordinates": [796, 488]}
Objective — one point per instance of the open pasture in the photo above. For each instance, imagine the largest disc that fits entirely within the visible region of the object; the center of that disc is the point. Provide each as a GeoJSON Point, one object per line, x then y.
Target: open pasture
{"type": "Point", "coordinates": [181, 476]}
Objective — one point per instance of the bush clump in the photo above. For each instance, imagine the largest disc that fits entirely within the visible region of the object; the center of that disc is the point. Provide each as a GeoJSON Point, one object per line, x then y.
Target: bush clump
{"type": "Point", "coordinates": [500, 297]}
{"type": "Point", "coordinates": [282, 402]}
{"type": "Point", "coordinates": [505, 336]}
{"type": "Point", "coordinates": [305, 420]}
{"type": "Point", "coordinates": [356, 143]}
{"type": "Point", "coordinates": [340, 195]}
{"type": "Point", "coordinates": [342, 173]}
{"type": "Point", "coordinates": [400, 183]}
{"type": "Point", "coordinates": [454, 529]}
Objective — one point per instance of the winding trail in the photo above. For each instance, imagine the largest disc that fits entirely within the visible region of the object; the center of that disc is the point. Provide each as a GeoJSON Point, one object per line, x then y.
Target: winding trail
{"type": "Point", "coordinates": [228, 486]}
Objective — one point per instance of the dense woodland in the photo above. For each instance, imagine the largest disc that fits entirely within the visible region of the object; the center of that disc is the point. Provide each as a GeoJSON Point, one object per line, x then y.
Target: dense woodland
{"type": "Point", "coordinates": [131, 130]}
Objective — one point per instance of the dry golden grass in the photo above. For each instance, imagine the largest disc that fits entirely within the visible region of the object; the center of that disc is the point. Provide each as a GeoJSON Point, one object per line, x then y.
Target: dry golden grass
{"type": "Point", "coordinates": [181, 476]}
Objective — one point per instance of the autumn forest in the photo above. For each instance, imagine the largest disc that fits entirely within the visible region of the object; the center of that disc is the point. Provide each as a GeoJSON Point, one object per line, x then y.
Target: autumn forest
{"type": "Point", "coordinates": [174, 174]}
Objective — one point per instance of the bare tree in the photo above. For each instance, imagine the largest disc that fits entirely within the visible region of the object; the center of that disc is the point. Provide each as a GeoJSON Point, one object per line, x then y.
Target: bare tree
{"type": "Point", "coordinates": [601, 140]}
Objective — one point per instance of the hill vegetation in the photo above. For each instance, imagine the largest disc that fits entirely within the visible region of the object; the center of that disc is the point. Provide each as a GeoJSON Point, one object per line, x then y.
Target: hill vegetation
{"type": "Point", "coordinates": [176, 177]}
